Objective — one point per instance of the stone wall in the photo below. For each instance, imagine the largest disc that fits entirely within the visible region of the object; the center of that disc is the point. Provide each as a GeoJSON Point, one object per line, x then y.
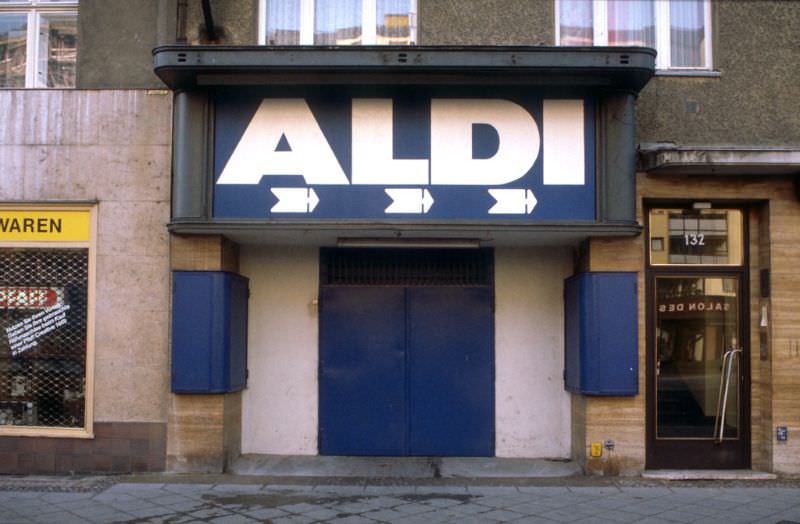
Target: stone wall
{"type": "Point", "coordinates": [112, 148]}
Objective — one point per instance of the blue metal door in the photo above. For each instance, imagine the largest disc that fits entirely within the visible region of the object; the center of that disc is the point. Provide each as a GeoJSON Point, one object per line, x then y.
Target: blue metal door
{"type": "Point", "coordinates": [362, 387]}
{"type": "Point", "coordinates": [451, 371]}
{"type": "Point", "coordinates": [406, 371]}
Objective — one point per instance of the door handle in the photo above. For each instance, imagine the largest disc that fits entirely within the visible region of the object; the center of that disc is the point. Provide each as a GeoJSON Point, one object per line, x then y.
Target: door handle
{"type": "Point", "coordinates": [728, 359]}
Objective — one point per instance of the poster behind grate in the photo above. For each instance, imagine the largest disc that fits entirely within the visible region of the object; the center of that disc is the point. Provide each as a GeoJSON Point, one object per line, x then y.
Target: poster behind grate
{"type": "Point", "coordinates": [43, 315]}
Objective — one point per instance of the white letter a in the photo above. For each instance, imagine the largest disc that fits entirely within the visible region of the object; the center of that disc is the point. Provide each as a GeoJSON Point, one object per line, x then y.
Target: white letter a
{"type": "Point", "coordinates": [309, 154]}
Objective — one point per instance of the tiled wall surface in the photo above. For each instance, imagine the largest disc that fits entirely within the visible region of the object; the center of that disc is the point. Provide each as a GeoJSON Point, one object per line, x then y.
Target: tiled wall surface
{"type": "Point", "coordinates": [117, 447]}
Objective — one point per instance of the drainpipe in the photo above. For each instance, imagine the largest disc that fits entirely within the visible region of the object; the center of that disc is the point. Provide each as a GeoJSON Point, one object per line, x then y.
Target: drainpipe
{"type": "Point", "coordinates": [180, 30]}
{"type": "Point", "coordinates": [211, 32]}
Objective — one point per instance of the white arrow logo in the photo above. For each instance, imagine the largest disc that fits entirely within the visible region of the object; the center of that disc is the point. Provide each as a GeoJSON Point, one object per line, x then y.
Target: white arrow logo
{"type": "Point", "coordinates": [512, 201]}
{"type": "Point", "coordinates": [294, 200]}
{"type": "Point", "coordinates": [407, 200]}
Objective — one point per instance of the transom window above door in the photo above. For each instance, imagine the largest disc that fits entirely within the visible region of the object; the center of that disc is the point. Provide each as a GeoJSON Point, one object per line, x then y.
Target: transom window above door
{"type": "Point", "coordinates": [680, 30]}
{"type": "Point", "coordinates": [338, 22]}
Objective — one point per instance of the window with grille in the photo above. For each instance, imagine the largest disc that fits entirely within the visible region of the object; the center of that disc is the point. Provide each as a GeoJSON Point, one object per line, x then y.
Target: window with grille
{"type": "Point", "coordinates": [43, 311]}
{"type": "Point", "coordinates": [38, 43]}
{"type": "Point", "coordinates": [46, 267]}
{"type": "Point", "coordinates": [338, 22]}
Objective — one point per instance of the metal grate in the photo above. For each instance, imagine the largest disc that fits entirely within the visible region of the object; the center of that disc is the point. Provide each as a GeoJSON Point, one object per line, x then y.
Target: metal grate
{"type": "Point", "coordinates": [406, 267]}
{"type": "Point", "coordinates": [43, 307]}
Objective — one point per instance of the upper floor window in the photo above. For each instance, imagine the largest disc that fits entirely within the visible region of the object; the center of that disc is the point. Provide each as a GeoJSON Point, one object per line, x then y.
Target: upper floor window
{"type": "Point", "coordinates": [38, 43]}
{"type": "Point", "coordinates": [678, 29]}
{"type": "Point", "coordinates": [337, 22]}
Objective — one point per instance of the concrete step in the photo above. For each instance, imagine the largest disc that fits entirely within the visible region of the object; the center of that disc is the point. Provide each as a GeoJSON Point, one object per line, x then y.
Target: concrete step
{"type": "Point", "coordinates": [402, 467]}
{"type": "Point", "coordinates": [707, 474]}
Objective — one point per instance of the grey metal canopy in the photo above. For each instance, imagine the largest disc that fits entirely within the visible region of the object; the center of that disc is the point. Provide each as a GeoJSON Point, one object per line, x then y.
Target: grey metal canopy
{"type": "Point", "coordinates": [614, 68]}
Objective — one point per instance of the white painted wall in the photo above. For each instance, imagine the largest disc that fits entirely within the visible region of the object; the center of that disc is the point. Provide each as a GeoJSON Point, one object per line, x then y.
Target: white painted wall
{"type": "Point", "coordinates": [532, 410]}
{"type": "Point", "coordinates": [281, 402]}
{"type": "Point", "coordinates": [279, 408]}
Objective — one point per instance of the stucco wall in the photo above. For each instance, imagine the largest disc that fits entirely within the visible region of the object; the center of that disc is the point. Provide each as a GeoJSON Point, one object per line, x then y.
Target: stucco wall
{"type": "Point", "coordinates": [112, 147]}
{"type": "Point", "coordinates": [532, 409]}
{"type": "Point", "coordinates": [115, 42]}
{"type": "Point", "coordinates": [280, 403]}
{"type": "Point", "coordinates": [756, 98]}
{"type": "Point", "coordinates": [279, 406]}
{"type": "Point", "coordinates": [486, 22]}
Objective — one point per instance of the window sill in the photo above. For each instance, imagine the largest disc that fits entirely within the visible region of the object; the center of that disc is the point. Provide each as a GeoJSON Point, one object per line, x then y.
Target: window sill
{"type": "Point", "coordinates": [46, 431]}
{"type": "Point", "coordinates": [688, 73]}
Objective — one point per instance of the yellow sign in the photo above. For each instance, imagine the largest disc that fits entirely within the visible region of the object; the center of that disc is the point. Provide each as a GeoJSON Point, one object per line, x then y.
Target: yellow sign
{"type": "Point", "coordinates": [44, 226]}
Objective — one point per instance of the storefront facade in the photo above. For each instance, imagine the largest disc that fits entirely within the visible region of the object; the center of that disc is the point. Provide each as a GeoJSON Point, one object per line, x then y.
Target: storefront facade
{"type": "Point", "coordinates": [488, 248]}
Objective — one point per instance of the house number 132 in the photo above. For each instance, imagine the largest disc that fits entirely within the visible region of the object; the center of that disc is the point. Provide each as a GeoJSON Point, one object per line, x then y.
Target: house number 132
{"type": "Point", "coordinates": [695, 239]}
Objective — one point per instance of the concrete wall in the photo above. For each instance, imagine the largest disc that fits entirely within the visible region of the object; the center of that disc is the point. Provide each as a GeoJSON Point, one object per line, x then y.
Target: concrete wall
{"type": "Point", "coordinates": [112, 147]}
{"type": "Point", "coordinates": [280, 403]}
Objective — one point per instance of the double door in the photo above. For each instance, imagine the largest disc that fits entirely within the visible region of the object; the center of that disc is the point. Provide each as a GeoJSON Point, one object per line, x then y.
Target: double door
{"type": "Point", "coordinates": [406, 371]}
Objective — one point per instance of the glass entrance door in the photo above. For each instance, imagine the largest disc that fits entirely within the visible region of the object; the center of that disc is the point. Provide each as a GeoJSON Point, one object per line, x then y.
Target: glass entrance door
{"type": "Point", "coordinates": [698, 398]}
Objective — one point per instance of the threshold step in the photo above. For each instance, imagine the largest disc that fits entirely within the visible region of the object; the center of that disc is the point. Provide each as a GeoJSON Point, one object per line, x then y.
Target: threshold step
{"type": "Point", "coordinates": [402, 467]}
{"type": "Point", "coordinates": [707, 474]}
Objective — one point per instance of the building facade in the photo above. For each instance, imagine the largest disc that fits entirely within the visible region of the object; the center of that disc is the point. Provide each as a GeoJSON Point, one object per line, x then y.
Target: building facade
{"type": "Point", "coordinates": [551, 229]}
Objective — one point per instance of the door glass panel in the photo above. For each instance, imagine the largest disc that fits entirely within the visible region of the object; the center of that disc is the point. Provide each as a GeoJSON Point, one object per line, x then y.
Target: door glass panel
{"type": "Point", "coordinates": [697, 325]}
{"type": "Point", "coordinates": [696, 236]}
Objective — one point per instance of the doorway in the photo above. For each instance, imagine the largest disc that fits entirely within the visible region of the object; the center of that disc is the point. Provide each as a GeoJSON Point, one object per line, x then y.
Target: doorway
{"type": "Point", "coordinates": [698, 387]}
{"type": "Point", "coordinates": [406, 353]}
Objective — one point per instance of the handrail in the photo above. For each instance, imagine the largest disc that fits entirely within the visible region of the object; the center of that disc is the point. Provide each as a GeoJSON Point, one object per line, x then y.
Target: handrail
{"type": "Point", "coordinates": [722, 398]}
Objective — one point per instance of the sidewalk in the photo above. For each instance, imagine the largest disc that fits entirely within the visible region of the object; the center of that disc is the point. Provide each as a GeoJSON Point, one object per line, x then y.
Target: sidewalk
{"type": "Point", "coordinates": [229, 499]}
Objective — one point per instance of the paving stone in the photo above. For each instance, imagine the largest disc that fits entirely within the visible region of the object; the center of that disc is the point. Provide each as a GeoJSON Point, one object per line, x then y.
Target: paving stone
{"type": "Point", "coordinates": [410, 520]}
{"type": "Point", "coordinates": [595, 491]}
{"type": "Point", "coordinates": [542, 491]}
{"type": "Point", "coordinates": [468, 508]}
{"type": "Point", "coordinates": [678, 515]}
{"type": "Point", "coordinates": [440, 490]}
{"type": "Point", "coordinates": [207, 513]}
{"type": "Point", "coordinates": [617, 516]}
{"type": "Point", "coordinates": [533, 520]}
{"type": "Point", "coordinates": [411, 508]}
{"type": "Point", "coordinates": [384, 515]}
{"type": "Point", "coordinates": [130, 487]}
{"type": "Point", "coordinates": [184, 507]}
{"type": "Point", "coordinates": [188, 488]}
{"type": "Point", "coordinates": [233, 519]}
{"type": "Point", "coordinates": [237, 488]}
{"type": "Point", "coordinates": [391, 490]}
{"type": "Point", "coordinates": [265, 513]}
{"type": "Point", "coordinates": [343, 491]}
{"type": "Point", "coordinates": [561, 515]}
{"type": "Point", "coordinates": [501, 515]}
{"type": "Point", "coordinates": [292, 519]}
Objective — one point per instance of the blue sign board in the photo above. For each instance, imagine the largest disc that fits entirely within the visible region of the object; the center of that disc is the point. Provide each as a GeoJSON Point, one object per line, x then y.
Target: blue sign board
{"type": "Point", "coordinates": [404, 158]}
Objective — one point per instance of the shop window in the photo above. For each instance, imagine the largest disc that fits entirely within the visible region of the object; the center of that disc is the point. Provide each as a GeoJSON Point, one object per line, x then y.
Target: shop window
{"type": "Point", "coordinates": [337, 22]}
{"type": "Point", "coordinates": [46, 267]}
{"type": "Point", "coordinates": [38, 43]}
{"type": "Point", "coordinates": [678, 29]}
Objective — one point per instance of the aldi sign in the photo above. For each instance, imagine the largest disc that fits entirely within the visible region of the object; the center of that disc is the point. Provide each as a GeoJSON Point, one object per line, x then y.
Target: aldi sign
{"type": "Point", "coordinates": [417, 158]}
